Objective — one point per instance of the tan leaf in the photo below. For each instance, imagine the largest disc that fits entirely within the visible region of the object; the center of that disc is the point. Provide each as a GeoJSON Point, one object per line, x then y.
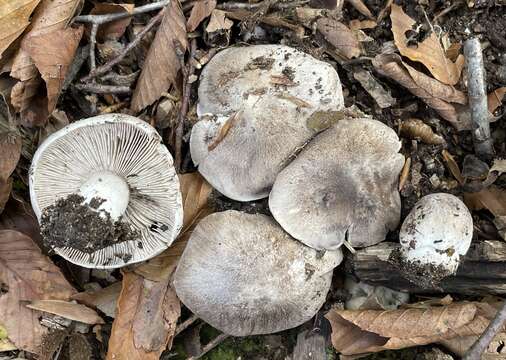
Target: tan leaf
{"type": "Point", "coordinates": [224, 130]}
{"type": "Point", "coordinates": [10, 152]}
{"type": "Point", "coordinates": [361, 8]}
{"type": "Point", "coordinates": [68, 310]}
{"type": "Point", "coordinates": [435, 94]}
{"type": "Point", "coordinates": [26, 275]}
{"type": "Point", "coordinates": [453, 166]}
{"type": "Point", "coordinates": [362, 331]}
{"type": "Point", "coordinates": [26, 99]}
{"type": "Point", "coordinates": [218, 21]}
{"type": "Point", "coordinates": [492, 198]}
{"type": "Point", "coordinates": [5, 192]}
{"type": "Point", "coordinates": [103, 299]}
{"type": "Point", "coordinates": [14, 15]}
{"type": "Point", "coordinates": [360, 25]}
{"type": "Point", "coordinates": [429, 52]}
{"type": "Point", "coordinates": [201, 10]}
{"type": "Point", "coordinates": [494, 99]}
{"type": "Point", "coordinates": [196, 191]}
{"type": "Point", "coordinates": [162, 63]}
{"type": "Point", "coordinates": [53, 58]}
{"type": "Point", "coordinates": [115, 29]}
{"type": "Point", "coordinates": [145, 321]}
{"type": "Point", "coordinates": [339, 36]}
{"type": "Point", "coordinates": [417, 129]}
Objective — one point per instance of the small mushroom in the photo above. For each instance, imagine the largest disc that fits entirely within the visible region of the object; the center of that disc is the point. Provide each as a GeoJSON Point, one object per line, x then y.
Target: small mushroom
{"type": "Point", "coordinates": [253, 106]}
{"type": "Point", "coordinates": [343, 185]}
{"type": "Point", "coordinates": [244, 275]}
{"type": "Point", "coordinates": [105, 192]}
{"type": "Point", "coordinates": [433, 237]}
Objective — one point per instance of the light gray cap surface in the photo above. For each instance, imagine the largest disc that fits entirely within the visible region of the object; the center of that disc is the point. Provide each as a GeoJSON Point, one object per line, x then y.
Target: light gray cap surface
{"type": "Point", "coordinates": [242, 274]}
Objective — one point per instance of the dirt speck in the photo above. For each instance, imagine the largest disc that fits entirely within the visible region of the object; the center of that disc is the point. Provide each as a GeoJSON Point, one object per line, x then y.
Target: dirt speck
{"type": "Point", "coordinates": [261, 62]}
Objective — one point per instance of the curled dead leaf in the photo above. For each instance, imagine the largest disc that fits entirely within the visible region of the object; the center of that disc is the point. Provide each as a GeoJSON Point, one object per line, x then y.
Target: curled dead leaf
{"type": "Point", "coordinates": [417, 129]}
{"type": "Point", "coordinates": [218, 21]}
{"type": "Point", "coordinates": [68, 310]}
{"type": "Point", "coordinates": [339, 36]}
{"type": "Point", "coordinates": [103, 299]}
{"type": "Point", "coordinates": [429, 52]}
{"type": "Point", "coordinates": [494, 99]}
{"type": "Point", "coordinates": [361, 8]}
{"type": "Point", "coordinates": [200, 11]}
{"type": "Point", "coordinates": [453, 166]}
{"type": "Point", "coordinates": [115, 29]}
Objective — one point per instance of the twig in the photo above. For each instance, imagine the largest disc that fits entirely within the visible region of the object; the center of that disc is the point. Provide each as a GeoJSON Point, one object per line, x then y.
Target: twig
{"type": "Point", "coordinates": [104, 89]}
{"type": "Point", "coordinates": [230, 6]}
{"type": "Point", "coordinates": [81, 55]}
{"type": "Point", "coordinates": [210, 345]}
{"type": "Point", "coordinates": [105, 18]}
{"type": "Point", "coordinates": [487, 336]}
{"type": "Point", "coordinates": [93, 43]}
{"type": "Point", "coordinates": [185, 324]}
{"type": "Point", "coordinates": [384, 11]}
{"type": "Point", "coordinates": [110, 64]}
{"type": "Point", "coordinates": [448, 9]}
{"type": "Point", "coordinates": [483, 145]}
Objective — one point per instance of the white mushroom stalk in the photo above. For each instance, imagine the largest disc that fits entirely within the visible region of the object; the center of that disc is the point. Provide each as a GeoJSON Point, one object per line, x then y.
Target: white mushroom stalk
{"type": "Point", "coordinates": [434, 236]}
{"type": "Point", "coordinates": [105, 192]}
{"type": "Point", "coordinates": [244, 275]}
{"type": "Point", "coordinates": [260, 97]}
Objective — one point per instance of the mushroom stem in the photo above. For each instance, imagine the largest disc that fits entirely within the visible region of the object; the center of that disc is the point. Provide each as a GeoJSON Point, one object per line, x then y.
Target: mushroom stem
{"type": "Point", "coordinates": [483, 144]}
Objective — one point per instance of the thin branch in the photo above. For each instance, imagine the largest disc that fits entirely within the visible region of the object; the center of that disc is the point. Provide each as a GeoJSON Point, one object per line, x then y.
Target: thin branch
{"type": "Point", "coordinates": [185, 324]}
{"type": "Point", "coordinates": [483, 145]}
{"type": "Point", "coordinates": [229, 6]}
{"type": "Point", "coordinates": [210, 345]}
{"type": "Point", "coordinates": [105, 18]}
{"type": "Point", "coordinates": [93, 43]}
{"type": "Point", "coordinates": [104, 89]}
{"type": "Point", "coordinates": [110, 64]}
{"type": "Point", "coordinates": [487, 336]}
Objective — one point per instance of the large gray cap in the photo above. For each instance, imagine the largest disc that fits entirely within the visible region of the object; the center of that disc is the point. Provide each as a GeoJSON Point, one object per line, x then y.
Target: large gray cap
{"type": "Point", "coordinates": [244, 275]}
{"type": "Point", "coordinates": [272, 90]}
{"type": "Point", "coordinates": [343, 185]}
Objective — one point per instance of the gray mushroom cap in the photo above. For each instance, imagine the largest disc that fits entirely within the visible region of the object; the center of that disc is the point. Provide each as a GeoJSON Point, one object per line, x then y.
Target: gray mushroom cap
{"type": "Point", "coordinates": [244, 275]}
{"type": "Point", "coordinates": [272, 90]}
{"type": "Point", "coordinates": [343, 185]}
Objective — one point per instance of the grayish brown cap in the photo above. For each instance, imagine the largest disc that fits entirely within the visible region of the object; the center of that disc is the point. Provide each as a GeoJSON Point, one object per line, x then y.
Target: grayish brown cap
{"type": "Point", "coordinates": [244, 275]}
{"type": "Point", "coordinates": [122, 160]}
{"type": "Point", "coordinates": [272, 90]}
{"type": "Point", "coordinates": [343, 185]}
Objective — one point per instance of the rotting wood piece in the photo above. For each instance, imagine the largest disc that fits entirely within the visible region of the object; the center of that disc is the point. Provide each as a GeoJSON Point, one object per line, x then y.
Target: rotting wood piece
{"type": "Point", "coordinates": [482, 271]}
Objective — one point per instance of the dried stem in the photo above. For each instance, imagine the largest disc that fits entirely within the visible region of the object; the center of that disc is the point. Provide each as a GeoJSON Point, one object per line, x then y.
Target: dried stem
{"type": "Point", "coordinates": [210, 345]}
{"type": "Point", "coordinates": [110, 64]}
{"type": "Point", "coordinates": [487, 336]}
{"type": "Point", "coordinates": [483, 145]}
{"type": "Point", "coordinates": [185, 324]}
{"type": "Point", "coordinates": [229, 6]}
{"type": "Point", "coordinates": [104, 89]}
{"type": "Point", "coordinates": [93, 43]}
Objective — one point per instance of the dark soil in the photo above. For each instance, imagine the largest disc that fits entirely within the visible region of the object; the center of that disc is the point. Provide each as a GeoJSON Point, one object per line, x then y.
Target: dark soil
{"type": "Point", "coordinates": [71, 223]}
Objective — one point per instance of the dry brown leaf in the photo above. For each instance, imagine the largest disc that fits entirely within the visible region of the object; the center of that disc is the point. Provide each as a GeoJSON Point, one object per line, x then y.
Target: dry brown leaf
{"type": "Point", "coordinates": [201, 10]}
{"type": "Point", "coordinates": [224, 130]}
{"type": "Point", "coordinates": [196, 191]}
{"type": "Point", "coordinates": [417, 129]}
{"type": "Point", "coordinates": [339, 36]}
{"type": "Point", "coordinates": [435, 94]}
{"type": "Point", "coordinates": [53, 58]}
{"type": "Point", "coordinates": [494, 99]}
{"type": "Point", "coordinates": [162, 63]}
{"type": "Point", "coordinates": [10, 152]}
{"type": "Point", "coordinates": [115, 29]}
{"type": "Point", "coordinates": [103, 299]}
{"type": "Point", "coordinates": [27, 98]}
{"type": "Point", "coordinates": [429, 52]}
{"type": "Point", "coordinates": [218, 21]}
{"type": "Point", "coordinates": [453, 166]}
{"type": "Point", "coordinates": [14, 15]}
{"type": "Point", "coordinates": [403, 177]}
{"type": "Point", "coordinates": [492, 198]}
{"type": "Point", "coordinates": [361, 8]}
{"type": "Point", "coordinates": [361, 331]}
{"type": "Point", "coordinates": [355, 24]}
{"type": "Point", "coordinates": [145, 321]}
{"type": "Point", "coordinates": [68, 310]}
{"type": "Point", "coordinates": [5, 192]}
{"type": "Point", "coordinates": [24, 281]}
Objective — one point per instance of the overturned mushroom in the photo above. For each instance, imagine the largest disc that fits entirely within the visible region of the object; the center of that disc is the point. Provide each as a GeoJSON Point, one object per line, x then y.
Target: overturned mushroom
{"type": "Point", "coordinates": [105, 192]}
{"type": "Point", "coordinates": [343, 185]}
{"type": "Point", "coordinates": [254, 103]}
{"type": "Point", "coordinates": [434, 235]}
{"type": "Point", "coordinates": [244, 275]}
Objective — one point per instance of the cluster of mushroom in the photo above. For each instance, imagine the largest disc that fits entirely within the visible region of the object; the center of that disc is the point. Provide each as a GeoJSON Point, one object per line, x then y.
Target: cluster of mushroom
{"type": "Point", "coordinates": [107, 195]}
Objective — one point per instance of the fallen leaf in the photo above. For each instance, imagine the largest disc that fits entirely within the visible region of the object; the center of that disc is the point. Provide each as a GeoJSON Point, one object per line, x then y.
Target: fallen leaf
{"type": "Point", "coordinates": [494, 99]}
{"type": "Point", "coordinates": [14, 15]}
{"type": "Point", "coordinates": [429, 52]}
{"type": "Point", "coordinates": [403, 177]}
{"type": "Point", "coordinates": [492, 198]}
{"type": "Point", "coordinates": [224, 130]}
{"type": "Point", "coordinates": [18, 215]}
{"type": "Point", "coordinates": [201, 10]}
{"type": "Point", "coordinates": [115, 29]}
{"type": "Point", "coordinates": [339, 36]}
{"type": "Point", "coordinates": [162, 63]}
{"type": "Point", "coordinates": [360, 25]}
{"type": "Point", "coordinates": [10, 150]}
{"type": "Point", "coordinates": [499, 166]}
{"type": "Point", "coordinates": [23, 281]}
{"type": "Point", "coordinates": [68, 310]}
{"type": "Point", "coordinates": [453, 166]}
{"type": "Point", "coordinates": [5, 192]}
{"type": "Point", "coordinates": [417, 129]}
{"type": "Point", "coordinates": [145, 321]}
{"type": "Point", "coordinates": [53, 58]}
{"type": "Point", "coordinates": [29, 99]}
{"type": "Point", "coordinates": [362, 331]}
{"type": "Point", "coordinates": [218, 21]}
{"type": "Point", "coordinates": [382, 96]}
{"type": "Point", "coordinates": [104, 299]}
{"type": "Point", "coordinates": [361, 8]}
{"type": "Point", "coordinates": [435, 94]}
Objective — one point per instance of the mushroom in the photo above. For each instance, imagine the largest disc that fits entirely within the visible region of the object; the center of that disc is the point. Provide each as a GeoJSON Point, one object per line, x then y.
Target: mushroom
{"type": "Point", "coordinates": [365, 296]}
{"type": "Point", "coordinates": [242, 274]}
{"type": "Point", "coordinates": [253, 106]}
{"type": "Point", "coordinates": [342, 185]}
{"type": "Point", "coordinates": [105, 192]}
{"type": "Point", "coordinates": [433, 237]}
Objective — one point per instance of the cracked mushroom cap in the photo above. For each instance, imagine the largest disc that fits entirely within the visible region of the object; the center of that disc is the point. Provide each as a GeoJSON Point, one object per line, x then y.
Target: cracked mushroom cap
{"type": "Point", "coordinates": [342, 185]}
{"type": "Point", "coordinates": [254, 103]}
{"type": "Point", "coordinates": [437, 231]}
{"type": "Point", "coordinates": [244, 275]}
{"type": "Point", "coordinates": [109, 179]}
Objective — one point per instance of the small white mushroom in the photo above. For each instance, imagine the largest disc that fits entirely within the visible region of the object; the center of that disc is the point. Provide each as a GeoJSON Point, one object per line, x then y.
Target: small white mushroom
{"type": "Point", "coordinates": [265, 94]}
{"type": "Point", "coordinates": [106, 192]}
{"type": "Point", "coordinates": [343, 185]}
{"type": "Point", "coordinates": [434, 235]}
{"type": "Point", "coordinates": [244, 275]}
{"type": "Point", "coordinates": [368, 297]}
